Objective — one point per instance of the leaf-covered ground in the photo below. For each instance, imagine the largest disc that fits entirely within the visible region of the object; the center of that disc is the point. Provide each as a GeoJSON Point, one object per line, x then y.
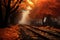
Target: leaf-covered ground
{"type": "Point", "coordinates": [27, 32]}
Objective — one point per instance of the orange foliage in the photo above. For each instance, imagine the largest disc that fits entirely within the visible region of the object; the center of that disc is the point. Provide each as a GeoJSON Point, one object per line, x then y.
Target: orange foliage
{"type": "Point", "coordinates": [9, 33]}
{"type": "Point", "coordinates": [45, 7]}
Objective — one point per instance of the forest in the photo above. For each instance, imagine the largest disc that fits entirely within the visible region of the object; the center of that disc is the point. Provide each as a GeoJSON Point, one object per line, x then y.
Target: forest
{"type": "Point", "coordinates": [29, 19]}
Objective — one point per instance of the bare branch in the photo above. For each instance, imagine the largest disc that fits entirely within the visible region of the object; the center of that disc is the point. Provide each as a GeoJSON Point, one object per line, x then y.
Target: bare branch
{"type": "Point", "coordinates": [20, 1]}
{"type": "Point", "coordinates": [14, 5]}
{"type": "Point", "coordinates": [15, 9]}
{"type": "Point", "coordinates": [4, 3]}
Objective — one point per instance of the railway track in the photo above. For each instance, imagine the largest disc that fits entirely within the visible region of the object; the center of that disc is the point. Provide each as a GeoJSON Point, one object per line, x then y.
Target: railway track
{"type": "Point", "coordinates": [36, 33]}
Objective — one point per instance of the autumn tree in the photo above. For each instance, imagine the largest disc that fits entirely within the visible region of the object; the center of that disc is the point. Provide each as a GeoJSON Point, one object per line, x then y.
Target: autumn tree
{"type": "Point", "coordinates": [7, 9]}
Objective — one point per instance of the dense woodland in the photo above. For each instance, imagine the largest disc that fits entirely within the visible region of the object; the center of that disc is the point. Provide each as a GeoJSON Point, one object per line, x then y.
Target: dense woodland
{"type": "Point", "coordinates": [44, 20]}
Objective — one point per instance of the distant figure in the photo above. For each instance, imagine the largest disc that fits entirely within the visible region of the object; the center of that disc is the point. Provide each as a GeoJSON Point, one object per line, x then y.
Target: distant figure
{"type": "Point", "coordinates": [47, 20]}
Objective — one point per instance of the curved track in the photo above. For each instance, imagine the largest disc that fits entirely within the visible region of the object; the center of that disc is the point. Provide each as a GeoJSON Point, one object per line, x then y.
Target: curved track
{"type": "Point", "coordinates": [38, 33]}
